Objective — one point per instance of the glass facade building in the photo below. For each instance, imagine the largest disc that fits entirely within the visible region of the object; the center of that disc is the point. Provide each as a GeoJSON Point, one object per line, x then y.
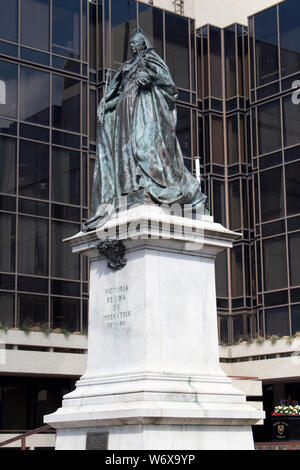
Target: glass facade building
{"type": "Point", "coordinates": [238, 126]}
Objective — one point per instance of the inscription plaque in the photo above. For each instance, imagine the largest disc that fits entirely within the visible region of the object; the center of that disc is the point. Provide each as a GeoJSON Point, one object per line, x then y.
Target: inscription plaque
{"type": "Point", "coordinates": [96, 441]}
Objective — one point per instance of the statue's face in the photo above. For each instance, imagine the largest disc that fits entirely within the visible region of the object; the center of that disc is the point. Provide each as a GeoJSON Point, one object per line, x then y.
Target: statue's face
{"type": "Point", "coordinates": [137, 44]}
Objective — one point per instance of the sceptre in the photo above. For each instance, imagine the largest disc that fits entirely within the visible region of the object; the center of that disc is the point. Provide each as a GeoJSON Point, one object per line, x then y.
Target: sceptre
{"type": "Point", "coordinates": [102, 108]}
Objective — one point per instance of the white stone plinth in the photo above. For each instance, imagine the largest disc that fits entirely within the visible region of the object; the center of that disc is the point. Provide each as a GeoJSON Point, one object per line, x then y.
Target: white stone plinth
{"type": "Point", "coordinates": [153, 379]}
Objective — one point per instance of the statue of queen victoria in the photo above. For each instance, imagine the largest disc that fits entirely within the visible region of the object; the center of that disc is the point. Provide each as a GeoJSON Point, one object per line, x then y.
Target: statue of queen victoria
{"type": "Point", "coordinates": [137, 147]}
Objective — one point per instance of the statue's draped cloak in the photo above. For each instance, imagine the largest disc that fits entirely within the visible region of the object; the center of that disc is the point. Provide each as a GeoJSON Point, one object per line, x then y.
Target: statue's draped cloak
{"type": "Point", "coordinates": [137, 145]}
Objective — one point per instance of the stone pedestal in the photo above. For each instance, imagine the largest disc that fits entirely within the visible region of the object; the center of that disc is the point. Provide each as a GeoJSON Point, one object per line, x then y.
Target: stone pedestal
{"type": "Point", "coordinates": [153, 379]}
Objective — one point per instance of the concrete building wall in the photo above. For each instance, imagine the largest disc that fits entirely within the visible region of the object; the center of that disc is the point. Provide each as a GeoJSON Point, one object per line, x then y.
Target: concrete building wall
{"type": "Point", "coordinates": [218, 12]}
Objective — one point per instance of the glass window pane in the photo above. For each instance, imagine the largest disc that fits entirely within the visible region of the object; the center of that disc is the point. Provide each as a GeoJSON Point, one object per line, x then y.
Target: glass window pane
{"type": "Point", "coordinates": [66, 314]}
{"type": "Point", "coordinates": [66, 27]}
{"type": "Point", "coordinates": [35, 28]}
{"type": "Point", "coordinates": [294, 257]}
{"type": "Point", "coordinates": [289, 24]}
{"type": "Point", "coordinates": [151, 21]}
{"type": "Point", "coordinates": [277, 321]}
{"type": "Point", "coordinates": [123, 22]}
{"type": "Point", "coordinates": [230, 63]}
{"type": "Point", "coordinates": [269, 128]}
{"type": "Point", "coordinates": [33, 246]}
{"type": "Point", "coordinates": [32, 309]}
{"type": "Point", "coordinates": [9, 20]}
{"type": "Point", "coordinates": [8, 89]}
{"type": "Point", "coordinates": [217, 140]}
{"type": "Point", "coordinates": [237, 271]}
{"type": "Point", "coordinates": [34, 96]}
{"type": "Point", "coordinates": [7, 242]}
{"type": "Point", "coordinates": [232, 140]}
{"type": "Point", "coordinates": [65, 103]}
{"type": "Point", "coordinates": [275, 267]}
{"type": "Point", "coordinates": [271, 194]}
{"type": "Point", "coordinates": [7, 308]}
{"type": "Point", "coordinates": [8, 158]}
{"type": "Point", "coordinates": [219, 202]}
{"type": "Point", "coordinates": [291, 122]}
{"type": "Point", "coordinates": [64, 264]}
{"type": "Point", "coordinates": [292, 175]}
{"type": "Point", "coordinates": [238, 331]}
{"type": "Point", "coordinates": [177, 49]}
{"type": "Point", "coordinates": [66, 168]}
{"type": "Point", "coordinates": [15, 407]}
{"type": "Point", "coordinates": [295, 319]}
{"type": "Point", "coordinates": [221, 274]}
{"type": "Point", "coordinates": [34, 170]}
{"type": "Point", "coordinates": [266, 46]}
{"type": "Point", "coordinates": [235, 204]}
{"type": "Point", "coordinates": [215, 62]}
{"type": "Point", "coordinates": [183, 130]}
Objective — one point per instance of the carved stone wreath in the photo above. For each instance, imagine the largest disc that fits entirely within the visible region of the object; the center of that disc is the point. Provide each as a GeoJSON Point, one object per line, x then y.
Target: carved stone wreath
{"type": "Point", "coordinates": [114, 251]}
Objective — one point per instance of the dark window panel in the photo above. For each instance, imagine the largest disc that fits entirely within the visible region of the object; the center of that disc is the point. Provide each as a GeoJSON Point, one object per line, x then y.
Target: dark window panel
{"type": "Point", "coordinates": [35, 27]}
{"type": "Point", "coordinates": [14, 413]}
{"type": "Point", "coordinates": [266, 46]}
{"type": "Point", "coordinates": [8, 127]}
{"type": "Point", "coordinates": [295, 319]}
{"type": "Point", "coordinates": [8, 158]}
{"type": "Point", "coordinates": [7, 282]}
{"type": "Point", "coordinates": [291, 122]}
{"type": "Point", "coordinates": [223, 330]}
{"type": "Point", "coordinates": [235, 205]}
{"type": "Point", "coordinates": [276, 298]}
{"type": "Point", "coordinates": [8, 89]}
{"type": "Point", "coordinates": [34, 56]}
{"type": "Point", "coordinates": [230, 62]}
{"type": "Point", "coordinates": [271, 194]}
{"type": "Point", "coordinates": [177, 49]}
{"type": "Point", "coordinates": [66, 103]}
{"type": "Point", "coordinates": [151, 21]}
{"type": "Point", "coordinates": [237, 271]}
{"type": "Point", "coordinates": [289, 23]}
{"type": "Point", "coordinates": [85, 315]}
{"type": "Point", "coordinates": [32, 309]}
{"type": "Point", "coordinates": [34, 96]}
{"type": "Point", "coordinates": [221, 274]}
{"type": "Point", "coordinates": [65, 313]}
{"type": "Point", "coordinates": [7, 308]}
{"type": "Point", "coordinates": [66, 28]}
{"type": "Point", "coordinates": [34, 132]}
{"type": "Point", "coordinates": [219, 202]}
{"type": "Point", "coordinates": [183, 130]}
{"type": "Point", "coordinates": [64, 263]}
{"type": "Point", "coordinates": [215, 62]}
{"type": "Point", "coordinates": [275, 263]}
{"type": "Point", "coordinates": [66, 140]}
{"type": "Point", "coordinates": [7, 242]}
{"type": "Point", "coordinates": [273, 228]}
{"type": "Point", "coordinates": [270, 160]}
{"type": "Point", "coordinates": [84, 29]}
{"type": "Point", "coordinates": [294, 257]}
{"type": "Point", "coordinates": [233, 139]}
{"type": "Point", "coordinates": [65, 212]}
{"type": "Point", "coordinates": [92, 36]}
{"type": "Point", "coordinates": [277, 321]}
{"type": "Point", "coordinates": [269, 127]}
{"type": "Point", "coordinates": [34, 170]}
{"type": "Point", "coordinates": [66, 64]}
{"type": "Point", "coordinates": [7, 203]}
{"type": "Point", "coordinates": [238, 330]}
{"type": "Point", "coordinates": [33, 246]}
{"type": "Point", "coordinates": [9, 20]}
{"type": "Point", "coordinates": [66, 168]}
{"type": "Point", "coordinates": [28, 206]}
{"type": "Point", "coordinates": [65, 288]}
{"type": "Point", "coordinates": [292, 175]}
{"type": "Point", "coordinates": [217, 149]}
{"type": "Point", "coordinates": [292, 154]}
{"type": "Point", "coordinates": [123, 22]}
{"type": "Point", "coordinates": [33, 284]}
{"type": "Point", "coordinates": [92, 114]}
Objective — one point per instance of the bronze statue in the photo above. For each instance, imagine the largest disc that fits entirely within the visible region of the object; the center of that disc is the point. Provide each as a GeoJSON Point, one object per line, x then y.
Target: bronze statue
{"type": "Point", "coordinates": [137, 148]}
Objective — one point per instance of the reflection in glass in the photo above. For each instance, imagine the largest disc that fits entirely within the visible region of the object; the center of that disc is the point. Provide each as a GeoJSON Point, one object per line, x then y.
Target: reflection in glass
{"type": "Point", "coordinates": [65, 103]}
{"type": "Point", "coordinates": [238, 330]}
{"type": "Point", "coordinates": [7, 242]}
{"type": "Point", "coordinates": [123, 22]}
{"type": "Point", "coordinates": [237, 271]}
{"type": "Point", "coordinates": [177, 49]}
{"type": "Point", "coordinates": [289, 24]}
{"type": "Point", "coordinates": [271, 194]}
{"type": "Point", "coordinates": [32, 309]}
{"type": "Point", "coordinates": [66, 168]}
{"type": "Point", "coordinates": [64, 264]}
{"type": "Point", "coordinates": [34, 170]}
{"type": "Point", "coordinates": [269, 127]}
{"type": "Point", "coordinates": [221, 274]}
{"type": "Point", "coordinates": [291, 122]}
{"type": "Point", "coordinates": [9, 20]}
{"type": "Point", "coordinates": [8, 89]}
{"type": "Point", "coordinates": [277, 321]}
{"type": "Point", "coordinates": [215, 62]}
{"type": "Point", "coordinates": [151, 22]}
{"type": "Point", "coordinates": [7, 308]}
{"type": "Point", "coordinates": [295, 319]}
{"type": "Point", "coordinates": [33, 246]}
{"type": "Point", "coordinates": [294, 257]}
{"type": "Point", "coordinates": [275, 267]}
{"type": "Point", "coordinates": [233, 139]}
{"type": "Point", "coordinates": [34, 96]}
{"type": "Point", "coordinates": [292, 175]}
{"type": "Point", "coordinates": [35, 28]}
{"type": "Point", "coordinates": [230, 62]}
{"type": "Point", "coordinates": [65, 313]}
{"type": "Point", "coordinates": [219, 202]}
{"type": "Point", "coordinates": [66, 28]}
{"type": "Point", "coordinates": [8, 152]}
{"type": "Point", "coordinates": [235, 204]}
{"type": "Point", "coordinates": [266, 46]}
{"type": "Point", "coordinates": [217, 140]}
{"type": "Point", "coordinates": [183, 130]}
